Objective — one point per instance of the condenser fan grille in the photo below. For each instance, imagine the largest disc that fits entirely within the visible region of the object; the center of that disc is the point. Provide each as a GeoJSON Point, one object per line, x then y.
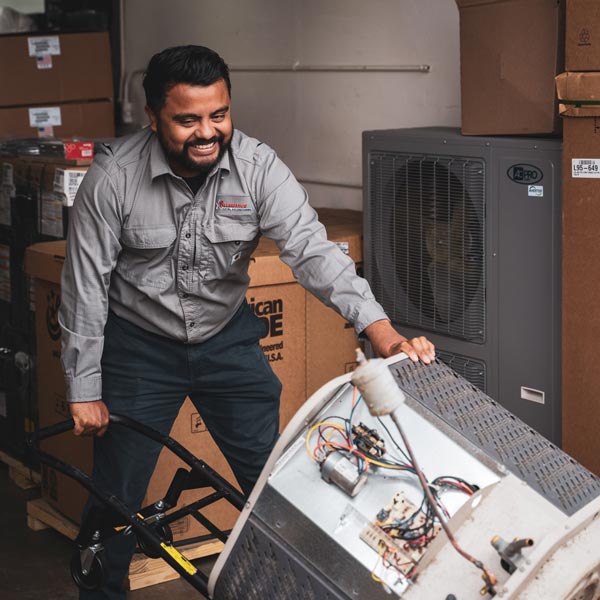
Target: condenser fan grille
{"type": "Point", "coordinates": [426, 263]}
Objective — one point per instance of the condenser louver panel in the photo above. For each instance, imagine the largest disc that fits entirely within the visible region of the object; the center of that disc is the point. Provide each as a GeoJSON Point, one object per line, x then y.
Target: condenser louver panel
{"type": "Point", "coordinates": [474, 371]}
{"type": "Point", "coordinates": [428, 226]}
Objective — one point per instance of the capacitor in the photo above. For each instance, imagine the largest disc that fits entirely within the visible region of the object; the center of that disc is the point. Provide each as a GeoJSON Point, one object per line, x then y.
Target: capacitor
{"type": "Point", "coordinates": [337, 469]}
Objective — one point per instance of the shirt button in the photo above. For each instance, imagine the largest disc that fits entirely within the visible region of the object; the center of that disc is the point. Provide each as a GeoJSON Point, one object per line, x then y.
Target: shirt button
{"type": "Point", "coordinates": [237, 243]}
{"type": "Point", "coordinates": [184, 268]}
{"type": "Point", "coordinates": [192, 324]}
{"type": "Point", "coordinates": [188, 235]}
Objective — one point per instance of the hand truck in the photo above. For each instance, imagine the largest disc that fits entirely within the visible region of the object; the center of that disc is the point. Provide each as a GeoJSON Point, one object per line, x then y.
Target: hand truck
{"type": "Point", "coordinates": [151, 524]}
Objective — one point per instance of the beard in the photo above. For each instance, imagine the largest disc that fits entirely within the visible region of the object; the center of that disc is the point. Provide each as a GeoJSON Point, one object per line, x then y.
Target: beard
{"type": "Point", "coordinates": [183, 159]}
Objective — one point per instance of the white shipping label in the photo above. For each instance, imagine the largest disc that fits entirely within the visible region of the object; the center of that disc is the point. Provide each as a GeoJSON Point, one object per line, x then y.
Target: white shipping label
{"type": "Point", "coordinates": [67, 182]}
{"type": "Point", "coordinates": [537, 191]}
{"type": "Point", "coordinates": [585, 168]}
{"type": "Point", "coordinates": [45, 117]}
{"type": "Point", "coordinates": [41, 46]}
{"type": "Point", "coordinates": [343, 246]}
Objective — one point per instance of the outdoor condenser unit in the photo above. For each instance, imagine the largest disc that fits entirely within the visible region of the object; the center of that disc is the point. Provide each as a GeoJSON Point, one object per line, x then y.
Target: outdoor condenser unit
{"type": "Point", "coordinates": [316, 528]}
{"type": "Point", "coordinates": [462, 244]}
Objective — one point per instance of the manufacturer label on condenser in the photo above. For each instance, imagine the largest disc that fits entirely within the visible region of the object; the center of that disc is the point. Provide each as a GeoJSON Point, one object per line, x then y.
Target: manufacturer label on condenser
{"type": "Point", "coordinates": [537, 191]}
{"type": "Point", "coordinates": [525, 174]}
{"type": "Point", "coordinates": [585, 168]}
{"type": "Point", "coordinates": [45, 117]}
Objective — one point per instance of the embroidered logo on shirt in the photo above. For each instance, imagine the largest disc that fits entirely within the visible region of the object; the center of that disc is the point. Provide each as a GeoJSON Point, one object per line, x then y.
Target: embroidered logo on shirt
{"type": "Point", "coordinates": [234, 204]}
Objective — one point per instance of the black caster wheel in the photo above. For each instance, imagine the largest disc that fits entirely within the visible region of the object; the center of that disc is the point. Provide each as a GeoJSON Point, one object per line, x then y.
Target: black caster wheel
{"type": "Point", "coordinates": [96, 578]}
{"type": "Point", "coordinates": [166, 536]}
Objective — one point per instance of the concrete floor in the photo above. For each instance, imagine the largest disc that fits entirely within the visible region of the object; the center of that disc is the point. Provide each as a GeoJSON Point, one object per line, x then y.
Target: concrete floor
{"type": "Point", "coordinates": [35, 564]}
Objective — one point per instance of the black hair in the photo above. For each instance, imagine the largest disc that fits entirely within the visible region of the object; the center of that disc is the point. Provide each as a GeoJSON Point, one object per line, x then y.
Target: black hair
{"type": "Point", "coordinates": [194, 65]}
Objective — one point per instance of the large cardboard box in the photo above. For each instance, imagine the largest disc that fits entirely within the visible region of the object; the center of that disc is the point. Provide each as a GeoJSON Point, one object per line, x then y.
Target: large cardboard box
{"type": "Point", "coordinates": [44, 263]}
{"type": "Point", "coordinates": [55, 68]}
{"type": "Point", "coordinates": [79, 119]}
{"type": "Point", "coordinates": [307, 344]}
{"type": "Point", "coordinates": [510, 52]}
{"type": "Point", "coordinates": [581, 266]}
{"type": "Point", "coordinates": [330, 340]}
{"type": "Point", "coordinates": [582, 39]}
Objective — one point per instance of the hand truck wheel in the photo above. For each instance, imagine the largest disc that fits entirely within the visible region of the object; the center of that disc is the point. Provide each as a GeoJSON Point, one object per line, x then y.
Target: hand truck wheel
{"type": "Point", "coordinates": [165, 534]}
{"type": "Point", "coordinates": [95, 578]}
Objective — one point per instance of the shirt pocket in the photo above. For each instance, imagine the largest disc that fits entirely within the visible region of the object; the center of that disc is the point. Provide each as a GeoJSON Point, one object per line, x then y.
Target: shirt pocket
{"type": "Point", "coordinates": [147, 255]}
{"type": "Point", "coordinates": [229, 243]}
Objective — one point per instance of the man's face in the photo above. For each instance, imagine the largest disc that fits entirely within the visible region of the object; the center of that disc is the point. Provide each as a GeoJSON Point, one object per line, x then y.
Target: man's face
{"type": "Point", "coordinates": [194, 127]}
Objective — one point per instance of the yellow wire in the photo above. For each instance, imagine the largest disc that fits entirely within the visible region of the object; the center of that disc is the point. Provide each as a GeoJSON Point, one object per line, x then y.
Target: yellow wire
{"type": "Point", "coordinates": [312, 429]}
{"type": "Point", "coordinates": [380, 464]}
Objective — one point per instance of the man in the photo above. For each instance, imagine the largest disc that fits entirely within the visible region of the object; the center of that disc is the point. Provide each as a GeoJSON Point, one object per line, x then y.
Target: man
{"type": "Point", "coordinates": [153, 291]}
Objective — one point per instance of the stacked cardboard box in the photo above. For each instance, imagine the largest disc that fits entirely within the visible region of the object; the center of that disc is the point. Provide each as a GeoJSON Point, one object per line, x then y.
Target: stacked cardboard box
{"type": "Point", "coordinates": [579, 96]}
{"type": "Point", "coordinates": [307, 345]}
{"type": "Point", "coordinates": [52, 85]}
{"type": "Point", "coordinates": [56, 85]}
{"type": "Point", "coordinates": [510, 51]}
{"type": "Point", "coordinates": [34, 198]}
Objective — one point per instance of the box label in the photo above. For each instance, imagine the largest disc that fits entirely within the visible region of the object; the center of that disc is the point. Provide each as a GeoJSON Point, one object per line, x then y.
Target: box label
{"type": "Point", "coordinates": [44, 62]}
{"type": "Point", "coordinates": [45, 117]}
{"type": "Point", "coordinates": [51, 217]}
{"type": "Point", "coordinates": [270, 312]}
{"type": "Point", "coordinates": [8, 178]}
{"type": "Point", "coordinates": [44, 46]}
{"type": "Point", "coordinates": [344, 247]}
{"type": "Point", "coordinates": [537, 191]}
{"type": "Point", "coordinates": [585, 168]}
{"type": "Point", "coordinates": [66, 183]}
{"type": "Point", "coordinates": [196, 423]}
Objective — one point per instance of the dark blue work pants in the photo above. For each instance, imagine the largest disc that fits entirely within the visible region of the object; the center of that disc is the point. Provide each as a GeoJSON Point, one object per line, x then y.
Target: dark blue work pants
{"type": "Point", "coordinates": [147, 377]}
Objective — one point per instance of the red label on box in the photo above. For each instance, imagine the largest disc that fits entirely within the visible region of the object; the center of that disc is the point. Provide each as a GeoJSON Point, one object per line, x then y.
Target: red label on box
{"type": "Point", "coordinates": [76, 150]}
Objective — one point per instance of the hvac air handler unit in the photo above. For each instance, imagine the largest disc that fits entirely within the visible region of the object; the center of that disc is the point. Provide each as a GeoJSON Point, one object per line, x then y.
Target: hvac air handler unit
{"type": "Point", "coordinates": [462, 244]}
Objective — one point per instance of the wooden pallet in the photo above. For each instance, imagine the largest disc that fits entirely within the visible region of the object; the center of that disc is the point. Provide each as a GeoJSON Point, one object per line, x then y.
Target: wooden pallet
{"type": "Point", "coordinates": [143, 571]}
{"type": "Point", "coordinates": [21, 475]}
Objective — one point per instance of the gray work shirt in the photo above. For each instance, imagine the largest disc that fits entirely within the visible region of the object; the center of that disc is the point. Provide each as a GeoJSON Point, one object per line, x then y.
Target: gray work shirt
{"type": "Point", "coordinates": [175, 263]}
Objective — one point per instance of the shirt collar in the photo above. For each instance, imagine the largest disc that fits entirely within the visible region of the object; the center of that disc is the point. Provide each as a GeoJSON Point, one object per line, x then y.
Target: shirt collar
{"type": "Point", "coordinates": [159, 165]}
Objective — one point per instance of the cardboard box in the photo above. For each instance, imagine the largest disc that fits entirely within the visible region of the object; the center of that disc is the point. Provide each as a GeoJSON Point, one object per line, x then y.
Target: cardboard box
{"type": "Point", "coordinates": [582, 39]}
{"type": "Point", "coordinates": [510, 52]}
{"type": "Point", "coordinates": [292, 316]}
{"type": "Point", "coordinates": [44, 263]}
{"type": "Point", "coordinates": [83, 119]}
{"type": "Point", "coordinates": [55, 68]}
{"type": "Point", "coordinates": [581, 266]}
{"type": "Point", "coordinates": [330, 340]}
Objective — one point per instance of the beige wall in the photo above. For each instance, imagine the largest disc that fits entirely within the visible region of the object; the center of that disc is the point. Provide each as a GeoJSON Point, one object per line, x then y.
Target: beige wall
{"type": "Point", "coordinates": [314, 120]}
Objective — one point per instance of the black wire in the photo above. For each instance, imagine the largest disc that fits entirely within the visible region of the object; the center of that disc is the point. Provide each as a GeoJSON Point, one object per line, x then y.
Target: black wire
{"type": "Point", "coordinates": [395, 442]}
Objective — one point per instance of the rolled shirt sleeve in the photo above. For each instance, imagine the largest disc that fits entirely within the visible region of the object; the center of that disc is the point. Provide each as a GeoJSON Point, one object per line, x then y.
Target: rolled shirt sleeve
{"type": "Point", "coordinates": [318, 264]}
{"type": "Point", "coordinates": [92, 250]}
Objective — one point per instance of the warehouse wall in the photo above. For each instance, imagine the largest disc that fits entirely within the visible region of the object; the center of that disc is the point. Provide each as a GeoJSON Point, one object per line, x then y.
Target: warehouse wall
{"type": "Point", "coordinates": [314, 120]}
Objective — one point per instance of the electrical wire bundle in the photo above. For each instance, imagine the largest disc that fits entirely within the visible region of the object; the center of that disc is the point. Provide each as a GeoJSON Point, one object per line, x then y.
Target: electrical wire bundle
{"type": "Point", "coordinates": [416, 530]}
